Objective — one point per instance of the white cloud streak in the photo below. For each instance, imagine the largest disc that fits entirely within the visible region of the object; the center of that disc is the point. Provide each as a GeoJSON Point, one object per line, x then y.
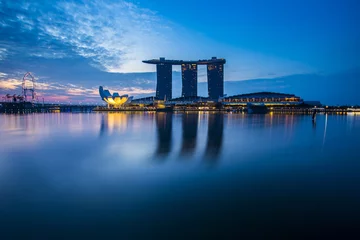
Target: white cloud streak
{"type": "Point", "coordinates": [10, 84]}
{"type": "Point", "coordinates": [2, 75]}
{"type": "Point", "coordinates": [116, 36]}
{"type": "Point", "coordinates": [3, 53]}
{"type": "Point", "coordinates": [44, 88]}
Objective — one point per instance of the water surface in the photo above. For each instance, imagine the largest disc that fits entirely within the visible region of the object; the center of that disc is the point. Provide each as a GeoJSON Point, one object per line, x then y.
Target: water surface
{"type": "Point", "coordinates": [186, 176]}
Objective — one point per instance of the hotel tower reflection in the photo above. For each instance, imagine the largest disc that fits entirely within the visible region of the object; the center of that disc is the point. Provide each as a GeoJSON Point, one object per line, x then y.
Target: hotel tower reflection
{"type": "Point", "coordinates": [164, 133]}
{"type": "Point", "coordinates": [189, 133]}
{"type": "Point", "coordinates": [116, 124]}
{"type": "Point", "coordinates": [214, 136]}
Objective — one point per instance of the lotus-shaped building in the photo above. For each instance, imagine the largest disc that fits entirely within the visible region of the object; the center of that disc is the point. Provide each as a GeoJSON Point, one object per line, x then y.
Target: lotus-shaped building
{"type": "Point", "coordinates": [114, 100]}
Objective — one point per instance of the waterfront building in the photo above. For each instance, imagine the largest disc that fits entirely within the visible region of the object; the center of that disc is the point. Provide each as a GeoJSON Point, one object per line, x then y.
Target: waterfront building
{"type": "Point", "coordinates": [189, 80]}
{"type": "Point", "coordinates": [114, 100]}
{"type": "Point", "coordinates": [164, 81]}
{"type": "Point", "coordinates": [267, 98]}
{"type": "Point", "coordinates": [215, 75]}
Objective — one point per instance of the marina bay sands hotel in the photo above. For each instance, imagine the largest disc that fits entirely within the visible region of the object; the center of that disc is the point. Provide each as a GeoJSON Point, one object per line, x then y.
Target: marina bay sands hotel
{"type": "Point", "coordinates": [189, 69]}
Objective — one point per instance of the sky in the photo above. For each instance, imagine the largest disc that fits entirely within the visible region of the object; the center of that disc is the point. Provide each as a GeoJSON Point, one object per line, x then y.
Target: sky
{"type": "Point", "coordinates": [73, 47]}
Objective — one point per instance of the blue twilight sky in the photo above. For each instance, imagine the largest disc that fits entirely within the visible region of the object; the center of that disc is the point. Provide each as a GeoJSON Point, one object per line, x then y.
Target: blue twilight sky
{"type": "Point", "coordinates": [72, 47]}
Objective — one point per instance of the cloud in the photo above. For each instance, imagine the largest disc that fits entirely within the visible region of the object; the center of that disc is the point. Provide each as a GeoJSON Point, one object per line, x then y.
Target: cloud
{"type": "Point", "coordinates": [3, 53]}
{"type": "Point", "coordinates": [55, 91]}
{"type": "Point", "coordinates": [80, 92]}
{"type": "Point", "coordinates": [57, 98]}
{"type": "Point", "coordinates": [133, 91]}
{"type": "Point", "coordinates": [75, 46]}
{"type": "Point", "coordinates": [116, 36]}
{"type": "Point", "coordinates": [27, 22]}
{"type": "Point", "coordinates": [10, 84]}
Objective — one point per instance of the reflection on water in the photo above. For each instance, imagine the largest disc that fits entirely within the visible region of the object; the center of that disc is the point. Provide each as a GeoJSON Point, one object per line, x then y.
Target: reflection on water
{"type": "Point", "coordinates": [164, 133]}
{"type": "Point", "coordinates": [215, 136]}
{"type": "Point", "coordinates": [111, 122]}
{"type": "Point", "coordinates": [275, 175]}
{"type": "Point", "coordinates": [189, 132]}
{"type": "Point", "coordinates": [215, 126]}
{"type": "Point", "coordinates": [118, 122]}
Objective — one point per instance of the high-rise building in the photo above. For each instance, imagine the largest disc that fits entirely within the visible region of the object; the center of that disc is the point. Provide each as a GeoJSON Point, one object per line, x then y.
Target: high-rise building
{"type": "Point", "coordinates": [189, 80]}
{"type": "Point", "coordinates": [215, 73]}
{"type": "Point", "coordinates": [164, 81]}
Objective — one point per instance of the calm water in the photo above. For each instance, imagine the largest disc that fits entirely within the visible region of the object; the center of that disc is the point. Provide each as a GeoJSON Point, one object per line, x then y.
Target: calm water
{"type": "Point", "coordinates": [186, 176]}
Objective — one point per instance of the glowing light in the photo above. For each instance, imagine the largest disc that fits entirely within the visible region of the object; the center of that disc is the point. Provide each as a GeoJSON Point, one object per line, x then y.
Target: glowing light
{"type": "Point", "coordinates": [116, 100]}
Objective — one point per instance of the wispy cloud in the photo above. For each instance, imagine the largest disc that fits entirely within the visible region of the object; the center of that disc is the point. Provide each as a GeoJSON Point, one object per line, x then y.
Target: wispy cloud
{"type": "Point", "coordinates": [10, 84]}
{"type": "Point", "coordinates": [65, 40]}
{"type": "Point", "coordinates": [94, 92]}
{"type": "Point", "coordinates": [116, 36]}
{"type": "Point", "coordinates": [54, 91]}
{"type": "Point", "coordinates": [27, 22]}
{"type": "Point", "coordinates": [3, 53]}
{"type": "Point", "coordinates": [132, 91]}
{"type": "Point", "coordinates": [81, 92]}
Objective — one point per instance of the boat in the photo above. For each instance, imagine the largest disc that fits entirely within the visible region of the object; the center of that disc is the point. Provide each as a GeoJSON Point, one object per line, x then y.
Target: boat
{"type": "Point", "coordinates": [257, 108]}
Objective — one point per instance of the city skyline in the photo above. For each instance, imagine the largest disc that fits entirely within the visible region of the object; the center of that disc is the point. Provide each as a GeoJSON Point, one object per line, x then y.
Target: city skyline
{"type": "Point", "coordinates": [73, 47]}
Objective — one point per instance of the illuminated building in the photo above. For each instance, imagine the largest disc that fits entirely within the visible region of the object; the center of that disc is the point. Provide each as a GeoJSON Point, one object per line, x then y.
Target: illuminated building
{"type": "Point", "coordinates": [189, 80]}
{"type": "Point", "coordinates": [189, 77]}
{"type": "Point", "coordinates": [114, 100]}
{"type": "Point", "coordinates": [268, 98]}
{"type": "Point", "coordinates": [215, 73]}
{"type": "Point", "coordinates": [164, 81]}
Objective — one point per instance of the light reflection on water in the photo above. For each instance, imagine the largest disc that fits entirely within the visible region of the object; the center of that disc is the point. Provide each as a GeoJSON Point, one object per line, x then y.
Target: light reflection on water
{"type": "Point", "coordinates": [146, 174]}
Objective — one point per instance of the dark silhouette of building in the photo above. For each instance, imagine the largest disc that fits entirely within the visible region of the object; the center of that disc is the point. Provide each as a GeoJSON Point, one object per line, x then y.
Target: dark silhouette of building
{"type": "Point", "coordinates": [164, 81]}
{"type": "Point", "coordinates": [215, 73]}
{"type": "Point", "coordinates": [215, 136]}
{"type": "Point", "coordinates": [189, 128]}
{"type": "Point", "coordinates": [164, 129]}
{"type": "Point", "coordinates": [189, 80]}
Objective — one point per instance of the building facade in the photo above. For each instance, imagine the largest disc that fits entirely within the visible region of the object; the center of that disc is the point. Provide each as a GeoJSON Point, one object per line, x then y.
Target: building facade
{"type": "Point", "coordinates": [267, 98]}
{"type": "Point", "coordinates": [189, 80]}
{"type": "Point", "coordinates": [215, 74]}
{"type": "Point", "coordinates": [114, 100]}
{"type": "Point", "coordinates": [164, 81]}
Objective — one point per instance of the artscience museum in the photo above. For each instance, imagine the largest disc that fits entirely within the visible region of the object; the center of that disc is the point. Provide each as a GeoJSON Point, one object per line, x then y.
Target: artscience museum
{"type": "Point", "coordinates": [114, 100]}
